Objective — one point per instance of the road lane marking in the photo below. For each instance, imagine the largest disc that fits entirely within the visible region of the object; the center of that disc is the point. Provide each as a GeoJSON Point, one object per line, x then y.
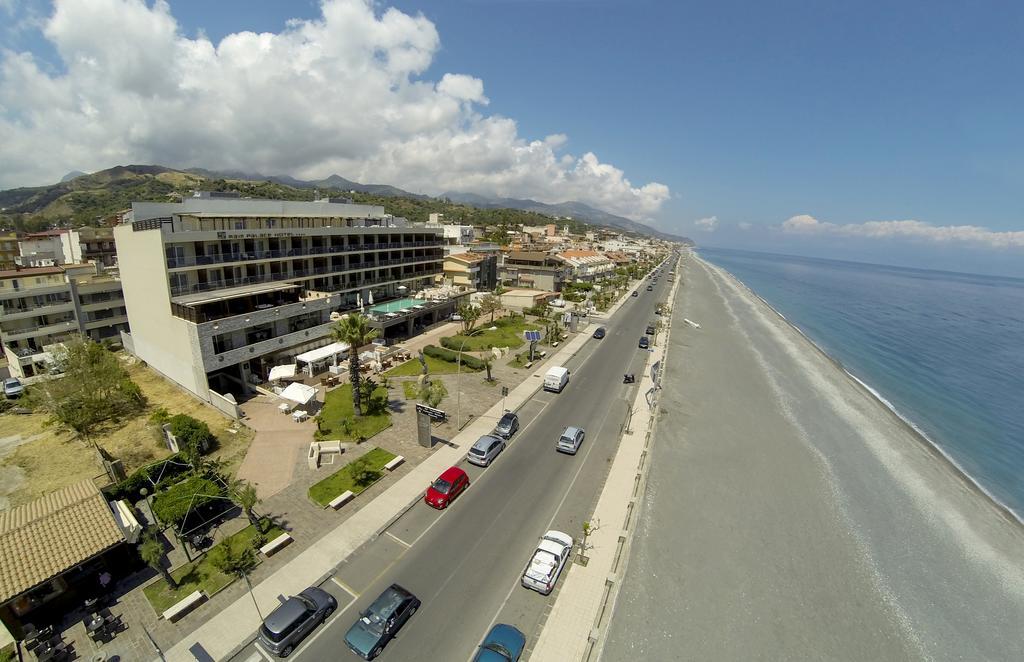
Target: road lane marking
{"type": "Point", "coordinates": [323, 627]}
{"type": "Point", "coordinates": [262, 653]}
{"type": "Point", "coordinates": [398, 540]}
{"type": "Point", "coordinates": [345, 587]}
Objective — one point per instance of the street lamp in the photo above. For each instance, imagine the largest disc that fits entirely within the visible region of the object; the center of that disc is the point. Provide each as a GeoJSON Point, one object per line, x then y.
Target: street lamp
{"type": "Point", "coordinates": [458, 382]}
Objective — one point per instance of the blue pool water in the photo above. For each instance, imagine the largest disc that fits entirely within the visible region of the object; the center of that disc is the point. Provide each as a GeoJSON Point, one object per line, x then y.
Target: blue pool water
{"type": "Point", "coordinates": [946, 350]}
{"type": "Point", "coordinates": [395, 306]}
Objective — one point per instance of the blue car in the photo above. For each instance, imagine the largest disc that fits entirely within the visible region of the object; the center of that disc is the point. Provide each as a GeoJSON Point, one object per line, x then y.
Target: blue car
{"type": "Point", "coordinates": [503, 643]}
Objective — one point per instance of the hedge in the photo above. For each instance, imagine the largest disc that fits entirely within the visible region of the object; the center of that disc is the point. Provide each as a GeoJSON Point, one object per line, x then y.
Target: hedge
{"type": "Point", "coordinates": [144, 477]}
{"type": "Point", "coordinates": [443, 354]}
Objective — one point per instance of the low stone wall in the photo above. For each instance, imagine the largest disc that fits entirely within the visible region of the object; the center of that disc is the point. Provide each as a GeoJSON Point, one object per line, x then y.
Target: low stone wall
{"type": "Point", "coordinates": [226, 404]}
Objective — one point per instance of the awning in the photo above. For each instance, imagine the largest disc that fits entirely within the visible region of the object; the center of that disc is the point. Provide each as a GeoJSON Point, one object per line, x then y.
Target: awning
{"type": "Point", "coordinates": [281, 372]}
{"type": "Point", "coordinates": [320, 353]}
{"type": "Point", "coordinates": [299, 392]}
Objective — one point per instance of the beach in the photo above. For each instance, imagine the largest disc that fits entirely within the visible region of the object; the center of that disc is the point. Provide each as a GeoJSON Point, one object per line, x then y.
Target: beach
{"type": "Point", "coordinates": [790, 514]}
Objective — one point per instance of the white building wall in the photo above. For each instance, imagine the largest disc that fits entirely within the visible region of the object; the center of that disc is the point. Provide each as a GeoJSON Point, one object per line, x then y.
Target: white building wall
{"type": "Point", "coordinates": [167, 343]}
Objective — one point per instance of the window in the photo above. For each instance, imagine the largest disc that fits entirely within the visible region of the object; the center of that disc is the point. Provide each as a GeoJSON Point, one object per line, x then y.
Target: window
{"type": "Point", "coordinates": [179, 283]}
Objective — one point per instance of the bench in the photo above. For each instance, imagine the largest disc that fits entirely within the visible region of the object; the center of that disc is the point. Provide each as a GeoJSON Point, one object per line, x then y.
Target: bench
{"type": "Point", "coordinates": [528, 365]}
{"type": "Point", "coordinates": [183, 607]}
{"type": "Point", "coordinates": [276, 545]}
{"type": "Point", "coordinates": [393, 464]}
{"type": "Point", "coordinates": [554, 344]}
{"type": "Point", "coordinates": [341, 499]}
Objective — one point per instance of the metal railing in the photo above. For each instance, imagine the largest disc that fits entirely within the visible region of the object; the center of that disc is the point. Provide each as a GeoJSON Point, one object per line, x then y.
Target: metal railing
{"type": "Point", "coordinates": [247, 256]}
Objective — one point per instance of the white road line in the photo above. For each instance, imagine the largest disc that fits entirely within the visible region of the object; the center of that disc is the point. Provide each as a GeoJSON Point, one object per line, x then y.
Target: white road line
{"type": "Point", "coordinates": [397, 539]}
{"type": "Point", "coordinates": [323, 627]}
{"type": "Point", "coordinates": [262, 653]}
{"type": "Point", "coordinates": [345, 587]}
{"type": "Point", "coordinates": [508, 596]}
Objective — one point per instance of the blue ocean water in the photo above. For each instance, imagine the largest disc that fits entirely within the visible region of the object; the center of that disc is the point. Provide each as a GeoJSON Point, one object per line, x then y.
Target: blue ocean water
{"type": "Point", "coordinates": [946, 350]}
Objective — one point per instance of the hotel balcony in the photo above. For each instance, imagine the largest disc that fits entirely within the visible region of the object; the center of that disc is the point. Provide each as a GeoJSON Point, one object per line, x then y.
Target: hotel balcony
{"type": "Point", "coordinates": [258, 255]}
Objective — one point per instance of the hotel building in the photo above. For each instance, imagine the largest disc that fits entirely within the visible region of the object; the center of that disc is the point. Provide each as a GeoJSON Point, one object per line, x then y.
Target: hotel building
{"type": "Point", "coordinates": [219, 291]}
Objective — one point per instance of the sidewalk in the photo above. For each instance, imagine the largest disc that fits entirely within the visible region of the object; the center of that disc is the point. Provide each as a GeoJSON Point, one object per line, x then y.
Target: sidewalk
{"type": "Point", "coordinates": [236, 624]}
{"type": "Point", "coordinates": [574, 627]}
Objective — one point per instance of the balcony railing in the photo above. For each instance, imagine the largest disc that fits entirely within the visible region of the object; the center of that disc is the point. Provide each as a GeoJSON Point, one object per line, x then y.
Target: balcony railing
{"type": "Point", "coordinates": [305, 273]}
{"type": "Point", "coordinates": [248, 256]}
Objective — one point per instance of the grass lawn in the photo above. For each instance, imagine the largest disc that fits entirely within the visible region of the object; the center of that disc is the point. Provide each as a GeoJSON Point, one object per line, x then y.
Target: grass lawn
{"type": "Point", "coordinates": [509, 333]}
{"type": "Point", "coordinates": [338, 407]}
{"type": "Point", "coordinates": [412, 390]}
{"type": "Point", "coordinates": [412, 368]}
{"type": "Point", "coordinates": [43, 459]}
{"type": "Point", "coordinates": [342, 479]}
{"type": "Point", "coordinates": [201, 575]}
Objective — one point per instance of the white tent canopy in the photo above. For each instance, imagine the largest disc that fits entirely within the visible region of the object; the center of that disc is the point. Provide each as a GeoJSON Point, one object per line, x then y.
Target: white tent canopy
{"type": "Point", "coordinates": [281, 372]}
{"type": "Point", "coordinates": [299, 392]}
{"type": "Point", "coordinates": [321, 353]}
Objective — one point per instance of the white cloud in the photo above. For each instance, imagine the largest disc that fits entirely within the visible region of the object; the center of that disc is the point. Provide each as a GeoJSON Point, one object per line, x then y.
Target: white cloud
{"type": "Point", "coordinates": [944, 234]}
{"type": "Point", "coordinates": [342, 93]}
{"type": "Point", "coordinates": [744, 225]}
{"type": "Point", "coordinates": [708, 224]}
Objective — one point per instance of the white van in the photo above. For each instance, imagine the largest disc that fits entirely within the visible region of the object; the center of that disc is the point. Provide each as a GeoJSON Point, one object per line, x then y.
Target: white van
{"type": "Point", "coordinates": [556, 378]}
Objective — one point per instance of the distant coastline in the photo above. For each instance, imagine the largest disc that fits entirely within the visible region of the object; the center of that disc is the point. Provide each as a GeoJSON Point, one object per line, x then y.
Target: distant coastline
{"type": "Point", "coordinates": [970, 481]}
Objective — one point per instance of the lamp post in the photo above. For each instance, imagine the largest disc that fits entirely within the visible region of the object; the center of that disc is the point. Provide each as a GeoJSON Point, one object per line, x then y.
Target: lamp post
{"type": "Point", "coordinates": [458, 382]}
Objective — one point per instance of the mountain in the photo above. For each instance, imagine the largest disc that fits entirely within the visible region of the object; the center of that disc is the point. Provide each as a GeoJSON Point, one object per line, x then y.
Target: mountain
{"type": "Point", "coordinates": [577, 210]}
{"type": "Point", "coordinates": [71, 175]}
{"type": "Point", "coordinates": [333, 182]}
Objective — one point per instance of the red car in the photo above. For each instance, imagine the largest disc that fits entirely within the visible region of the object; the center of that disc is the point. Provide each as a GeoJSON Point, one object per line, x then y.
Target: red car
{"type": "Point", "coordinates": [448, 485]}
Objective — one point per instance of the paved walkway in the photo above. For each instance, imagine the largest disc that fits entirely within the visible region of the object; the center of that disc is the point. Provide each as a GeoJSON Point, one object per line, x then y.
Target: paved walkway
{"type": "Point", "coordinates": [235, 624]}
{"type": "Point", "coordinates": [583, 605]}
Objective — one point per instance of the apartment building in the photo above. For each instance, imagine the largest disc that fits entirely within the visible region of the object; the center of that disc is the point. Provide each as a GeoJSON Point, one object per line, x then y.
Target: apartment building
{"type": "Point", "coordinates": [8, 249]}
{"type": "Point", "coordinates": [219, 291]}
{"type": "Point", "coordinates": [97, 245]}
{"type": "Point", "coordinates": [474, 271]}
{"type": "Point", "coordinates": [588, 266]}
{"type": "Point", "coordinates": [43, 306]}
{"type": "Point", "coordinates": [533, 269]}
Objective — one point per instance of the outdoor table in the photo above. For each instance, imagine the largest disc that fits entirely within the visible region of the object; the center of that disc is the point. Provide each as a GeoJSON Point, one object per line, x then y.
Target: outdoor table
{"type": "Point", "coordinates": [284, 407]}
{"type": "Point", "coordinates": [299, 415]}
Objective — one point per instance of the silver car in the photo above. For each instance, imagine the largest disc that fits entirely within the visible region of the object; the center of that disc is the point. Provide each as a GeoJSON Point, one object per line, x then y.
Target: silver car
{"type": "Point", "coordinates": [507, 426]}
{"type": "Point", "coordinates": [289, 624]}
{"type": "Point", "coordinates": [570, 441]}
{"type": "Point", "coordinates": [485, 450]}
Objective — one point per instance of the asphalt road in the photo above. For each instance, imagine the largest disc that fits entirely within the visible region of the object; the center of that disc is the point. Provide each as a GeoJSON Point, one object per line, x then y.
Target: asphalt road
{"type": "Point", "coordinates": [465, 563]}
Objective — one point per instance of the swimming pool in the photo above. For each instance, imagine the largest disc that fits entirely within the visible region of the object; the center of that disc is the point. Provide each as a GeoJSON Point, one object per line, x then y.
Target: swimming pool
{"type": "Point", "coordinates": [395, 306]}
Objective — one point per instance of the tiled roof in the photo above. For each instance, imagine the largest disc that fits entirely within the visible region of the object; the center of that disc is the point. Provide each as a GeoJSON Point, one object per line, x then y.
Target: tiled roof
{"type": "Point", "coordinates": [31, 271]}
{"type": "Point", "coordinates": [579, 253]}
{"type": "Point", "coordinates": [468, 257]}
{"type": "Point", "coordinates": [50, 535]}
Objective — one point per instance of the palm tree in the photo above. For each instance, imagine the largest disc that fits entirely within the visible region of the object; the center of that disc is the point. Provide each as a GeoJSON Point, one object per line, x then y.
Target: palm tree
{"type": "Point", "coordinates": [244, 494]}
{"type": "Point", "coordinates": [152, 552]}
{"type": "Point", "coordinates": [354, 329]}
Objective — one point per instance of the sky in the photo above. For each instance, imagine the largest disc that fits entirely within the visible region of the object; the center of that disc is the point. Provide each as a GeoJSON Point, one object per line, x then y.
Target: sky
{"type": "Point", "coordinates": [881, 132]}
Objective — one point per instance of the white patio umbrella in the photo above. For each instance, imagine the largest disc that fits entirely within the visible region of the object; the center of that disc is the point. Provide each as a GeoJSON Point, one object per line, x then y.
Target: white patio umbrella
{"type": "Point", "coordinates": [299, 392]}
{"type": "Point", "coordinates": [370, 299]}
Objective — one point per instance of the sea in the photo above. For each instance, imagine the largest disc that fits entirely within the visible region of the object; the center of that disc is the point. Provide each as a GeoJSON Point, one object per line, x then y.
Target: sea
{"type": "Point", "coordinates": [944, 350]}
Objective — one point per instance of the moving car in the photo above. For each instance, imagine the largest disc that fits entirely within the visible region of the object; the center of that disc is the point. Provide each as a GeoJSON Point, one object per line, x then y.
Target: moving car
{"type": "Point", "coordinates": [650, 288]}
{"type": "Point", "coordinates": [485, 450]}
{"type": "Point", "coordinates": [636, 293]}
{"type": "Point", "coordinates": [644, 342]}
{"type": "Point", "coordinates": [289, 624]}
{"type": "Point", "coordinates": [503, 643]}
{"type": "Point", "coordinates": [547, 562]}
{"type": "Point", "coordinates": [381, 621]}
{"type": "Point", "coordinates": [556, 378]}
{"type": "Point", "coordinates": [447, 487]}
{"type": "Point", "coordinates": [570, 441]}
{"type": "Point", "coordinates": [600, 332]}
{"type": "Point", "coordinates": [13, 388]}
{"type": "Point", "coordinates": [507, 426]}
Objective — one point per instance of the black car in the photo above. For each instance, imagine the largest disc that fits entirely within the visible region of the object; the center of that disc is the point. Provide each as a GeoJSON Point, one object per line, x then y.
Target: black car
{"type": "Point", "coordinates": [636, 293]}
{"type": "Point", "coordinates": [507, 426]}
{"type": "Point", "coordinates": [600, 332]}
{"type": "Point", "coordinates": [381, 621]}
{"type": "Point", "coordinates": [289, 624]}
{"type": "Point", "coordinates": [650, 288]}
{"type": "Point", "coordinates": [644, 342]}
{"type": "Point", "coordinates": [649, 330]}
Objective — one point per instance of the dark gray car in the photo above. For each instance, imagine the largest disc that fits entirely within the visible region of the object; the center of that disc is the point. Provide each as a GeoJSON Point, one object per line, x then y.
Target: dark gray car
{"type": "Point", "coordinates": [378, 624]}
{"type": "Point", "coordinates": [507, 426]}
{"type": "Point", "coordinates": [289, 624]}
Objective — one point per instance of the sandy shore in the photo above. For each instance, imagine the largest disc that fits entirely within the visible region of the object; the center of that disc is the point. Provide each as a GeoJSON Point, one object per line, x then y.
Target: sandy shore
{"type": "Point", "coordinates": [791, 515]}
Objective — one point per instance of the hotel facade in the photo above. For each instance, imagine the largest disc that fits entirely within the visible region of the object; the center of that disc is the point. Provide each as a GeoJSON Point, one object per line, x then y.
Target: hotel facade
{"type": "Point", "coordinates": [219, 291]}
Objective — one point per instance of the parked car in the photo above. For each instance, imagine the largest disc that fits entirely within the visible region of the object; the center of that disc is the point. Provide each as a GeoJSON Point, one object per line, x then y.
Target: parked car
{"type": "Point", "coordinates": [381, 621]}
{"type": "Point", "coordinates": [13, 388]}
{"type": "Point", "coordinates": [446, 488]}
{"type": "Point", "coordinates": [547, 562]}
{"type": "Point", "coordinates": [507, 426]}
{"type": "Point", "coordinates": [649, 330]}
{"type": "Point", "coordinates": [644, 342]}
{"type": "Point", "coordinates": [485, 450]}
{"type": "Point", "coordinates": [503, 643]}
{"type": "Point", "coordinates": [650, 288]}
{"type": "Point", "coordinates": [295, 618]}
{"type": "Point", "coordinates": [570, 441]}
{"type": "Point", "coordinates": [600, 332]}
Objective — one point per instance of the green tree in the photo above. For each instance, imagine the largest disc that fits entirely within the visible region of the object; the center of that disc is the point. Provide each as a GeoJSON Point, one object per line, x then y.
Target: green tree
{"type": "Point", "coordinates": [354, 329]}
{"type": "Point", "coordinates": [469, 314]}
{"type": "Point", "coordinates": [363, 472]}
{"type": "Point", "coordinates": [244, 494]}
{"type": "Point", "coordinates": [432, 393]}
{"type": "Point", "coordinates": [488, 361]}
{"type": "Point", "coordinates": [152, 552]}
{"type": "Point", "coordinates": [490, 304]}
{"type": "Point", "coordinates": [94, 391]}
{"type": "Point", "coordinates": [172, 505]}
{"type": "Point", "coordinates": [231, 560]}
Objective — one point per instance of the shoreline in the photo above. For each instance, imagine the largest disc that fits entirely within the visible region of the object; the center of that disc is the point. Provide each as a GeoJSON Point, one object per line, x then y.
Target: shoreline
{"type": "Point", "coordinates": [934, 447]}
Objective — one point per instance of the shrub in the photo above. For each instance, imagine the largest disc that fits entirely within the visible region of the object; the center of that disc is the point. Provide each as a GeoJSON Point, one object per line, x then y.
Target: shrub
{"type": "Point", "coordinates": [160, 416]}
{"type": "Point", "coordinates": [161, 473]}
{"type": "Point", "coordinates": [469, 361]}
{"type": "Point", "coordinates": [192, 433]}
